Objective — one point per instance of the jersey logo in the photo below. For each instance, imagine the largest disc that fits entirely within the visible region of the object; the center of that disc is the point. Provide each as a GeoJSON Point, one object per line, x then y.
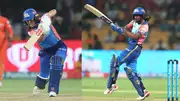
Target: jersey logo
{"type": "Point", "coordinates": [136, 10]}
{"type": "Point", "coordinates": [26, 15]}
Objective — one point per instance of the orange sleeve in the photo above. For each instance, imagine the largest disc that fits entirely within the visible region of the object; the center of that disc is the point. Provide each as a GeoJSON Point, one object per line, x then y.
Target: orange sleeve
{"type": "Point", "coordinates": [8, 27]}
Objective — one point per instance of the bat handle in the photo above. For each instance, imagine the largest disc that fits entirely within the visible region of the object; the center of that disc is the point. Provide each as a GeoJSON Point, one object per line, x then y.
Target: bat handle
{"type": "Point", "coordinates": [26, 48]}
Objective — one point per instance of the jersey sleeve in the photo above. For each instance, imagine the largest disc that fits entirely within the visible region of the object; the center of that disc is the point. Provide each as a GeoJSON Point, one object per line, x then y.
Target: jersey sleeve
{"type": "Point", "coordinates": [8, 27]}
{"type": "Point", "coordinates": [45, 19]}
{"type": "Point", "coordinates": [130, 25]}
{"type": "Point", "coordinates": [45, 23]}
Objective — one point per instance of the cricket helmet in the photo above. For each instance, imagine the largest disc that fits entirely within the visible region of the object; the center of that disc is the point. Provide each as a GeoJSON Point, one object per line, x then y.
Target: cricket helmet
{"type": "Point", "coordinates": [139, 11]}
{"type": "Point", "coordinates": [29, 14]}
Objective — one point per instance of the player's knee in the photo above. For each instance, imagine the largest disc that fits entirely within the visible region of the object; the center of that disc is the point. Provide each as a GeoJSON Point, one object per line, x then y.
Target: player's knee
{"type": "Point", "coordinates": [130, 74]}
{"type": "Point", "coordinates": [56, 62]}
{"type": "Point", "coordinates": [112, 72]}
{"type": "Point", "coordinates": [119, 61]}
{"type": "Point", "coordinates": [41, 82]}
{"type": "Point", "coordinates": [139, 77]}
{"type": "Point", "coordinates": [113, 61]}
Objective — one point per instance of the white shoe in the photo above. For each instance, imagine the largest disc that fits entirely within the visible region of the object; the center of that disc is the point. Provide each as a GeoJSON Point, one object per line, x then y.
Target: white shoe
{"type": "Point", "coordinates": [1, 84]}
{"type": "Point", "coordinates": [146, 93]}
{"type": "Point", "coordinates": [109, 91]}
{"type": "Point", "coordinates": [36, 90]}
{"type": "Point", "coordinates": [140, 98]}
{"type": "Point", "coordinates": [52, 94]}
{"type": "Point", "coordinates": [114, 87]}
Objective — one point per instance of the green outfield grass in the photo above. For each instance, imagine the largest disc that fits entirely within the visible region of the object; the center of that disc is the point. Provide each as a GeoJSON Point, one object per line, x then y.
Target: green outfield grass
{"type": "Point", "coordinates": [90, 88]}
{"type": "Point", "coordinates": [93, 90]}
{"type": "Point", "coordinates": [21, 90]}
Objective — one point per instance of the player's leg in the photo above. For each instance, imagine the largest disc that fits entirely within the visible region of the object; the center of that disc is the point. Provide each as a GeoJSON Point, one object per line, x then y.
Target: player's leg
{"type": "Point", "coordinates": [114, 71]}
{"type": "Point", "coordinates": [134, 80]}
{"type": "Point", "coordinates": [1, 68]}
{"type": "Point", "coordinates": [3, 49]}
{"type": "Point", "coordinates": [56, 70]}
{"type": "Point", "coordinates": [42, 78]}
{"type": "Point", "coordinates": [130, 69]}
{"type": "Point", "coordinates": [146, 93]}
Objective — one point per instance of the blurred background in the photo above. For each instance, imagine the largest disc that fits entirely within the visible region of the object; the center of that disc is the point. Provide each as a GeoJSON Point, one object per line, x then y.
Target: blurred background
{"type": "Point", "coordinates": [163, 37]}
{"type": "Point", "coordinates": [20, 66]}
{"type": "Point", "coordinates": [67, 21]}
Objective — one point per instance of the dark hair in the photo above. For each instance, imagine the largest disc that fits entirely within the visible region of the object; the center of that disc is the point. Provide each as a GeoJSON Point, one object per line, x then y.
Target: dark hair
{"type": "Point", "coordinates": [147, 18]}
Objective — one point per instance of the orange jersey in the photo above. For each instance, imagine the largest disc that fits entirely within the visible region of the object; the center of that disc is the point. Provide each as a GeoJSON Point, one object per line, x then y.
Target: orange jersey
{"type": "Point", "coordinates": [5, 26]}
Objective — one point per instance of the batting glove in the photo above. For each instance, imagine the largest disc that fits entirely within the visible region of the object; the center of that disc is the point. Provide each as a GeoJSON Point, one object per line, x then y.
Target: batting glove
{"type": "Point", "coordinates": [44, 27]}
{"type": "Point", "coordinates": [116, 28]}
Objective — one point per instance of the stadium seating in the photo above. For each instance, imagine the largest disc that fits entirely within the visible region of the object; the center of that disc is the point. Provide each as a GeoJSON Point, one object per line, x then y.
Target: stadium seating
{"type": "Point", "coordinates": [154, 36]}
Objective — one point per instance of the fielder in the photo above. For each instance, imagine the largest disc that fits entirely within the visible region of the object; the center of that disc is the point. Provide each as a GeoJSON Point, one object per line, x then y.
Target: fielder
{"type": "Point", "coordinates": [52, 53]}
{"type": "Point", "coordinates": [6, 35]}
{"type": "Point", "coordinates": [137, 31]}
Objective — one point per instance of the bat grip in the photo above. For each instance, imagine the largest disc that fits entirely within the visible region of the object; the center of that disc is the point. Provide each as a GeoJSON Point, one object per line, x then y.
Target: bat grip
{"type": "Point", "coordinates": [26, 48]}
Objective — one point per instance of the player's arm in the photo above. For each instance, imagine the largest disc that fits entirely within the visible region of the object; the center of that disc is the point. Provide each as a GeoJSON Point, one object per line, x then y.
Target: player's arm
{"type": "Point", "coordinates": [52, 13]}
{"type": "Point", "coordinates": [131, 35]}
{"type": "Point", "coordinates": [129, 26]}
{"type": "Point", "coordinates": [46, 23]}
{"type": "Point", "coordinates": [141, 32]}
{"type": "Point", "coordinates": [120, 30]}
{"type": "Point", "coordinates": [9, 32]}
{"type": "Point", "coordinates": [41, 38]}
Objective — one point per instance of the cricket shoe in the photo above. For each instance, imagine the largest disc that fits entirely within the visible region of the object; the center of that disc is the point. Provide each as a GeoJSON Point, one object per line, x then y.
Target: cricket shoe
{"type": "Point", "coordinates": [140, 98]}
{"type": "Point", "coordinates": [112, 89]}
{"type": "Point", "coordinates": [146, 93]}
{"type": "Point", "coordinates": [52, 94]}
{"type": "Point", "coordinates": [1, 84]}
{"type": "Point", "coordinates": [36, 91]}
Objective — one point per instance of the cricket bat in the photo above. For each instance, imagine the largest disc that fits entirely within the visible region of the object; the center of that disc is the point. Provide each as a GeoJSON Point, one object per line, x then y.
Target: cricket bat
{"type": "Point", "coordinates": [98, 13]}
{"type": "Point", "coordinates": [33, 39]}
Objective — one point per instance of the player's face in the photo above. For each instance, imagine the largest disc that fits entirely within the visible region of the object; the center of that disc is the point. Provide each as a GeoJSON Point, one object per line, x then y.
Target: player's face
{"type": "Point", "coordinates": [31, 23]}
{"type": "Point", "coordinates": [138, 18]}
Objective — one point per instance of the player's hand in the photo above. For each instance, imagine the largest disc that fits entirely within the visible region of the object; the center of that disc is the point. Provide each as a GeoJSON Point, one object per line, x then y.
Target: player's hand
{"type": "Point", "coordinates": [117, 28]}
{"type": "Point", "coordinates": [45, 28]}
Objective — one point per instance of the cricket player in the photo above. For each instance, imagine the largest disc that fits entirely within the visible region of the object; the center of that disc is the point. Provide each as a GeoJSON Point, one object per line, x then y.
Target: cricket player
{"type": "Point", "coordinates": [137, 31]}
{"type": "Point", "coordinates": [6, 34]}
{"type": "Point", "coordinates": [52, 54]}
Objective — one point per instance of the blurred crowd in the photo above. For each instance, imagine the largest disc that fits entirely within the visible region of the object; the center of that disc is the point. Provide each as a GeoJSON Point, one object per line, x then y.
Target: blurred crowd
{"type": "Point", "coordinates": [164, 23]}
{"type": "Point", "coordinates": [67, 21]}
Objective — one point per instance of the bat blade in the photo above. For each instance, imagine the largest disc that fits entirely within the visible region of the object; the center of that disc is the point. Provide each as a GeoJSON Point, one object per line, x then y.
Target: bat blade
{"type": "Point", "coordinates": [98, 13]}
{"type": "Point", "coordinates": [33, 39]}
